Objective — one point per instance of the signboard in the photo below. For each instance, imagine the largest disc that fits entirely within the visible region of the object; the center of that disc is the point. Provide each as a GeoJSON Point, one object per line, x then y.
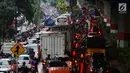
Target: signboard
{"type": "Point", "coordinates": [17, 49]}
{"type": "Point", "coordinates": [122, 8]}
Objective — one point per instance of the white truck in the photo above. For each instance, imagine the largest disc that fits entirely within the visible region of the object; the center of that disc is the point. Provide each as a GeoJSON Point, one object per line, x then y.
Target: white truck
{"type": "Point", "coordinates": [52, 43]}
{"type": "Point", "coordinates": [6, 47]}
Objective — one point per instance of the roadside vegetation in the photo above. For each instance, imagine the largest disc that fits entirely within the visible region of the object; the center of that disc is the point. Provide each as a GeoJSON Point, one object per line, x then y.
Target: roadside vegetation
{"type": "Point", "coordinates": [10, 9]}
{"type": "Point", "coordinates": [122, 55]}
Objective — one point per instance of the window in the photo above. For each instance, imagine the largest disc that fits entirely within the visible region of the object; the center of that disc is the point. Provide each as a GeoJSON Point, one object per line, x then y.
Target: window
{"type": "Point", "coordinates": [23, 58]}
{"type": "Point", "coordinates": [35, 48]}
{"type": "Point", "coordinates": [4, 62]}
{"type": "Point", "coordinates": [100, 42]}
{"type": "Point", "coordinates": [64, 58]}
{"type": "Point", "coordinates": [62, 20]}
{"type": "Point", "coordinates": [58, 64]}
{"type": "Point", "coordinates": [34, 41]}
{"type": "Point", "coordinates": [1, 63]}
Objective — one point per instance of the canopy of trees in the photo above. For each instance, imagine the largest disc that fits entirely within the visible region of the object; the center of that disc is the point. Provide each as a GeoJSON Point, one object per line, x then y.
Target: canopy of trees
{"type": "Point", "coordinates": [12, 8]}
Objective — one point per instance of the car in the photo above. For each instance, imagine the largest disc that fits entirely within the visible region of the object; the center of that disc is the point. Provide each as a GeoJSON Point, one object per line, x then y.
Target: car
{"type": "Point", "coordinates": [24, 58]}
{"type": "Point", "coordinates": [92, 34]}
{"type": "Point", "coordinates": [56, 66]}
{"type": "Point", "coordinates": [63, 19]}
{"type": "Point", "coordinates": [36, 48]}
{"type": "Point", "coordinates": [32, 41]}
{"type": "Point", "coordinates": [5, 65]}
{"type": "Point", "coordinates": [67, 60]}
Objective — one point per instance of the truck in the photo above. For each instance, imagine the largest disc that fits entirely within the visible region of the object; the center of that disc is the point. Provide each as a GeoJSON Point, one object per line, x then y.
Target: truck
{"type": "Point", "coordinates": [6, 47]}
{"type": "Point", "coordinates": [52, 43]}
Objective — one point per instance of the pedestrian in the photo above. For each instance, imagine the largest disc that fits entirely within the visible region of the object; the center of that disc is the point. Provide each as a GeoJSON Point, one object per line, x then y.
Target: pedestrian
{"type": "Point", "coordinates": [35, 63]}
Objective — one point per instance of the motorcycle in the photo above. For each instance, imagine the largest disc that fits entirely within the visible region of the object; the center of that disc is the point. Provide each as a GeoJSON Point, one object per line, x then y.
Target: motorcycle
{"type": "Point", "coordinates": [34, 69]}
{"type": "Point", "coordinates": [99, 70]}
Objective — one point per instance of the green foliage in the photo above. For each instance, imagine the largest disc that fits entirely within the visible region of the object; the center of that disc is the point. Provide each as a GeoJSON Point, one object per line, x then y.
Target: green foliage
{"type": "Point", "coordinates": [8, 9]}
{"type": "Point", "coordinates": [100, 21]}
{"type": "Point", "coordinates": [113, 37]}
{"type": "Point", "coordinates": [7, 13]}
{"type": "Point", "coordinates": [61, 5]}
{"type": "Point", "coordinates": [36, 10]}
{"type": "Point", "coordinates": [124, 57]}
{"type": "Point", "coordinates": [26, 7]}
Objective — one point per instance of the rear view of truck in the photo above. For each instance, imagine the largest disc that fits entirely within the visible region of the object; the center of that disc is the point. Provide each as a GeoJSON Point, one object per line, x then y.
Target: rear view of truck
{"type": "Point", "coordinates": [52, 43]}
{"type": "Point", "coordinates": [6, 47]}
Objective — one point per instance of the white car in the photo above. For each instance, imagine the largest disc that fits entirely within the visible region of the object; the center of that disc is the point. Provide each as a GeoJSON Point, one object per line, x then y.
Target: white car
{"type": "Point", "coordinates": [36, 48]}
{"type": "Point", "coordinates": [5, 65]}
{"type": "Point", "coordinates": [32, 41]}
{"type": "Point", "coordinates": [24, 58]}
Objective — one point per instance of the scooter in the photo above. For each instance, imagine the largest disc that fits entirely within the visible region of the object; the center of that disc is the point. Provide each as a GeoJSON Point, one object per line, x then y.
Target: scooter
{"type": "Point", "coordinates": [34, 69]}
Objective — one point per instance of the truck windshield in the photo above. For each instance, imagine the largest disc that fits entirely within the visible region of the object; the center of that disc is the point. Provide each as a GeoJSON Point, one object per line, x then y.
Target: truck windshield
{"type": "Point", "coordinates": [100, 42]}
{"type": "Point", "coordinates": [57, 64]}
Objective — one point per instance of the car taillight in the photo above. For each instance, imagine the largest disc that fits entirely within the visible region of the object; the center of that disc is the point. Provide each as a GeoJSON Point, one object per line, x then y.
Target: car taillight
{"type": "Point", "coordinates": [91, 70]}
{"type": "Point", "coordinates": [38, 46]}
{"type": "Point", "coordinates": [33, 66]}
{"type": "Point", "coordinates": [70, 63]}
{"type": "Point", "coordinates": [12, 67]}
{"type": "Point", "coordinates": [38, 52]}
{"type": "Point", "coordinates": [29, 62]}
{"type": "Point", "coordinates": [48, 68]}
{"type": "Point", "coordinates": [107, 71]}
{"type": "Point", "coordinates": [59, 68]}
{"type": "Point", "coordinates": [44, 62]}
{"type": "Point", "coordinates": [99, 33]}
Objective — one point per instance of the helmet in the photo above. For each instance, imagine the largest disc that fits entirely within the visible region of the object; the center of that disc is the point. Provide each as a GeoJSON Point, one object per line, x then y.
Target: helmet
{"type": "Point", "coordinates": [24, 63]}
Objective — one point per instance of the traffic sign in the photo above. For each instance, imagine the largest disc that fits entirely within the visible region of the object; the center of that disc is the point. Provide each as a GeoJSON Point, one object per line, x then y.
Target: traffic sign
{"type": "Point", "coordinates": [17, 49]}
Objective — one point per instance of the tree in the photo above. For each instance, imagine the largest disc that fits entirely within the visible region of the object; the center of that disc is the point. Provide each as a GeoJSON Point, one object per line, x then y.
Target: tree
{"type": "Point", "coordinates": [7, 13]}
{"type": "Point", "coordinates": [30, 8]}
{"type": "Point", "coordinates": [25, 7]}
{"type": "Point", "coordinates": [8, 9]}
{"type": "Point", "coordinates": [62, 6]}
{"type": "Point", "coordinates": [36, 9]}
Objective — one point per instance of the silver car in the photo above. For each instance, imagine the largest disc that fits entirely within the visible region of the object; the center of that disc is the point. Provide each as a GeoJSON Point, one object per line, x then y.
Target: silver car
{"type": "Point", "coordinates": [5, 66]}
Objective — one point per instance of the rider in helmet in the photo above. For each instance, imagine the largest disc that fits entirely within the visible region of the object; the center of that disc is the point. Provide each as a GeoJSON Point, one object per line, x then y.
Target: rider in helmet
{"type": "Point", "coordinates": [24, 68]}
{"type": "Point", "coordinates": [48, 57]}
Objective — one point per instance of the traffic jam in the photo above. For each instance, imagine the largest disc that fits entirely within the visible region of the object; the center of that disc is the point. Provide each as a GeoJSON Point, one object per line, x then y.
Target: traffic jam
{"type": "Point", "coordinates": [70, 46]}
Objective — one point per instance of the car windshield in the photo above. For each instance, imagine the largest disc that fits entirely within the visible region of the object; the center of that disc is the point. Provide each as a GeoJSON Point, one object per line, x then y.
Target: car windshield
{"type": "Point", "coordinates": [23, 58]}
{"type": "Point", "coordinates": [62, 20]}
{"type": "Point", "coordinates": [98, 56]}
{"type": "Point", "coordinates": [57, 64]}
{"type": "Point", "coordinates": [64, 58]}
{"type": "Point", "coordinates": [100, 42]}
{"type": "Point", "coordinates": [33, 48]}
{"type": "Point", "coordinates": [5, 62]}
{"type": "Point", "coordinates": [34, 41]}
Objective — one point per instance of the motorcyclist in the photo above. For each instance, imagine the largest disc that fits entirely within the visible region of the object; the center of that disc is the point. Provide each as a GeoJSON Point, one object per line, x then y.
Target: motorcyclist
{"type": "Point", "coordinates": [48, 57]}
{"type": "Point", "coordinates": [24, 68]}
{"type": "Point", "coordinates": [56, 57]}
{"type": "Point", "coordinates": [32, 53]}
{"type": "Point", "coordinates": [34, 63]}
